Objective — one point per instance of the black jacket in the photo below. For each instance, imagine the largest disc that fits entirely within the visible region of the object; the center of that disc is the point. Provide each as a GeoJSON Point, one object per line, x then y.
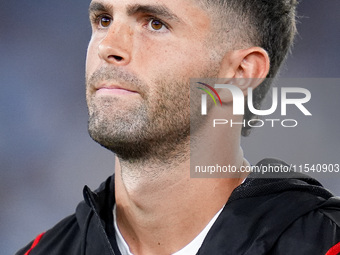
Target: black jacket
{"type": "Point", "coordinates": [262, 216]}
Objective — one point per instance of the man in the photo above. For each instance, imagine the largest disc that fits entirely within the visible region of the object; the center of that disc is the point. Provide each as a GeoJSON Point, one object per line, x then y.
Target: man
{"type": "Point", "coordinates": [140, 58]}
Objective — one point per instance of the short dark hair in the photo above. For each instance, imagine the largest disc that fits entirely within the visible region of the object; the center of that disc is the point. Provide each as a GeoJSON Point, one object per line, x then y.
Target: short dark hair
{"type": "Point", "coordinates": [269, 24]}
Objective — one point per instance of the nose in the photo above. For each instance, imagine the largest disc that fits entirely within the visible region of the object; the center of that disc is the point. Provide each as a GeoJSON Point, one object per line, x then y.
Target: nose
{"type": "Point", "coordinates": [116, 46]}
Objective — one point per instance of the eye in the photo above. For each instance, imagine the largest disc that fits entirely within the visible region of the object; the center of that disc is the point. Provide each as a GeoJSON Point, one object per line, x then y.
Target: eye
{"type": "Point", "coordinates": [157, 25]}
{"type": "Point", "coordinates": [104, 21]}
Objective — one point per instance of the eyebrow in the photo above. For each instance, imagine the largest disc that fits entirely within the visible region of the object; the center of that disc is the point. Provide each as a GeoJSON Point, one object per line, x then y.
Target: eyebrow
{"type": "Point", "coordinates": [156, 10]}
{"type": "Point", "coordinates": [98, 7]}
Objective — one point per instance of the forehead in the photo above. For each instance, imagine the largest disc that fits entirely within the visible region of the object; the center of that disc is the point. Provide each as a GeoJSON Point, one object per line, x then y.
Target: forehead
{"type": "Point", "coordinates": [173, 4]}
{"type": "Point", "coordinates": [186, 11]}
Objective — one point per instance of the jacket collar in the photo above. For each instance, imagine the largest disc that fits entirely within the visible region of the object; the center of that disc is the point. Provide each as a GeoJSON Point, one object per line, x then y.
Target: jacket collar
{"type": "Point", "coordinates": [95, 219]}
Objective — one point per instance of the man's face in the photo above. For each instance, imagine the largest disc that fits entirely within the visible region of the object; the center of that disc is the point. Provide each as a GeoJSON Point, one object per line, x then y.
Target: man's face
{"type": "Point", "coordinates": [140, 58]}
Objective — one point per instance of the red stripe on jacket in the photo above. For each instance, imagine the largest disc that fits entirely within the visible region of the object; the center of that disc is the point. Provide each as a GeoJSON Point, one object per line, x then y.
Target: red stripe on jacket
{"type": "Point", "coordinates": [36, 241]}
{"type": "Point", "coordinates": [335, 250]}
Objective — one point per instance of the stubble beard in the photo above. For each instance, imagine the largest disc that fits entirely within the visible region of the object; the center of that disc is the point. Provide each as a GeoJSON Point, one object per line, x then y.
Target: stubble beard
{"type": "Point", "coordinates": [156, 128]}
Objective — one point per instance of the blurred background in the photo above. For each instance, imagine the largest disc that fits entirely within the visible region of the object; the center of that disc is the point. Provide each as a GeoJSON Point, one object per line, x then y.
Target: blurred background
{"type": "Point", "coordinates": [46, 155]}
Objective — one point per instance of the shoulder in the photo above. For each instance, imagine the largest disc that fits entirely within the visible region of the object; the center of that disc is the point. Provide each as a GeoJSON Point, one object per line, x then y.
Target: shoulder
{"type": "Point", "coordinates": [83, 231]}
{"type": "Point", "coordinates": [63, 238]}
{"type": "Point", "coordinates": [315, 232]}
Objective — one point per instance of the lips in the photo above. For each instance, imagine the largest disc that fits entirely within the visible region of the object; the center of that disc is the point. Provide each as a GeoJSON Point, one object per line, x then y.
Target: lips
{"type": "Point", "coordinates": [113, 90]}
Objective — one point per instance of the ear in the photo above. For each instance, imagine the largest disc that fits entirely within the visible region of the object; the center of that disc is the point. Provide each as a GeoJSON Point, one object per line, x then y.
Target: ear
{"type": "Point", "coordinates": [246, 67]}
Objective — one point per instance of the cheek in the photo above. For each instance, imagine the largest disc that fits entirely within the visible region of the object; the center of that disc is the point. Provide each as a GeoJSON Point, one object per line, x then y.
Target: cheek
{"type": "Point", "coordinates": [173, 59]}
{"type": "Point", "coordinates": [92, 58]}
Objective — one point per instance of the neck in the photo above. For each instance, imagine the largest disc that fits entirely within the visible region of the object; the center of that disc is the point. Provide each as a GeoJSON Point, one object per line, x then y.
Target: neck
{"type": "Point", "coordinates": [160, 202]}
